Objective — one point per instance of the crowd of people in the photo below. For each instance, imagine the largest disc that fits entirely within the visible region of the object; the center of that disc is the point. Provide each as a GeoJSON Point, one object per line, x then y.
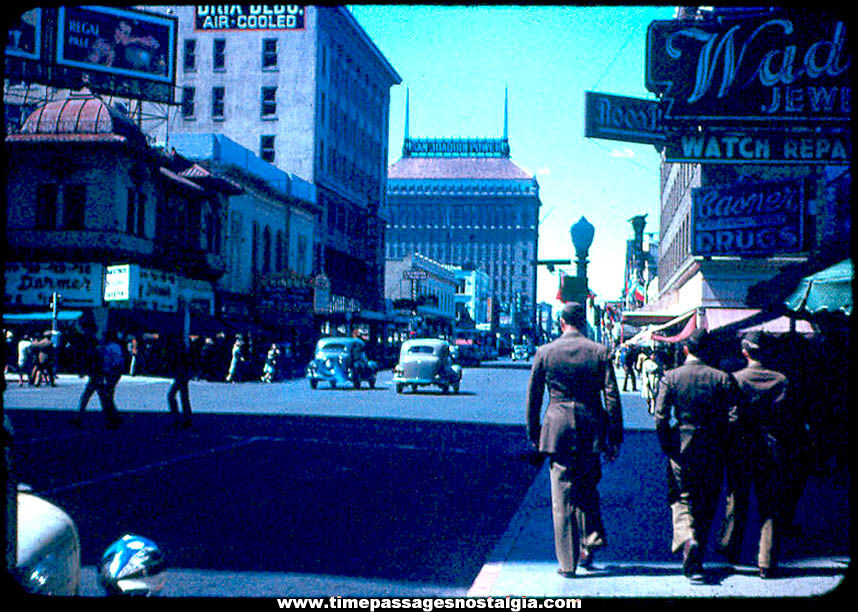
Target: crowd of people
{"type": "Point", "coordinates": [757, 421]}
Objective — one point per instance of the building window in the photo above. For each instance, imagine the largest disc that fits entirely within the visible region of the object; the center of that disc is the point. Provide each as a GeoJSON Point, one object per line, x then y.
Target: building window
{"type": "Point", "coordinates": [219, 54]}
{"type": "Point", "coordinates": [131, 214]}
{"type": "Point", "coordinates": [254, 248]}
{"type": "Point", "coordinates": [190, 58]}
{"type": "Point", "coordinates": [217, 102]}
{"type": "Point", "coordinates": [46, 206]}
{"type": "Point", "coordinates": [269, 101]}
{"type": "Point", "coordinates": [141, 215]}
{"type": "Point", "coordinates": [269, 53]}
{"type": "Point", "coordinates": [188, 94]}
{"type": "Point", "coordinates": [266, 250]}
{"type": "Point", "coordinates": [266, 148]}
{"type": "Point", "coordinates": [74, 206]}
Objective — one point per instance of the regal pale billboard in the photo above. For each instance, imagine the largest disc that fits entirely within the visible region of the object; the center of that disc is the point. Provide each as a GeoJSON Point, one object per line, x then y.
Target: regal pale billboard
{"type": "Point", "coordinates": [786, 67]}
{"type": "Point", "coordinates": [748, 220]}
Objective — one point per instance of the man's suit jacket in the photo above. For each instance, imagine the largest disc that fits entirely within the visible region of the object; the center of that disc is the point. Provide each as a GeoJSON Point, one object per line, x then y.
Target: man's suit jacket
{"type": "Point", "coordinates": [765, 420]}
{"type": "Point", "coordinates": [577, 371]}
{"type": "Point", "coordinates": [702, 400]}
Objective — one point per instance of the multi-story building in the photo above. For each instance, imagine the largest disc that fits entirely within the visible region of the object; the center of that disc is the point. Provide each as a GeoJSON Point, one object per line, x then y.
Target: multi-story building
{"type": "Point", "coordinates": [420, 286]}
{"type": "Point", "coordinates": [465, 202]}
{"type": "Point", "coordinates": [306, 90]}
{"type": "Point", "coordinates": [472, 295]}
{"type": "Point", "coordinates": [128, 236]}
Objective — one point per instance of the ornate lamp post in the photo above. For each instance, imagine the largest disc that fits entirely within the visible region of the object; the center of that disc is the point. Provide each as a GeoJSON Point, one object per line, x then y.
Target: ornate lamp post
{"type": "Point", "coordinates": [582, 237]}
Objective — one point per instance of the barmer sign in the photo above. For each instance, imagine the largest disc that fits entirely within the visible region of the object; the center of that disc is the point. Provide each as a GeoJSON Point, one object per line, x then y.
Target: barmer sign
{"type": "Point", "coordinates": [777, 68]}
{"type": "Point", "coordinates": [748, 219]}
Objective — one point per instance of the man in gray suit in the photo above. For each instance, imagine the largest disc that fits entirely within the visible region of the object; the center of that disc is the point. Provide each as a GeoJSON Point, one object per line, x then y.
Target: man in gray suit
{"type": "Point", "coordinates": [700, 398]}
{"type": "Point", "coordinates": [761, 433]}
{"type": "Point", "coordinates": [576, 429]}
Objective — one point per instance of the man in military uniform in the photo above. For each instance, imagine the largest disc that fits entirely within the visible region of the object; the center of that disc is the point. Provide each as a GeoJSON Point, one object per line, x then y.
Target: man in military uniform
{"type": "Point", "coordinates": [761, 431]}
{"type": "Point", "coordinates": [700, 398]}
{"type": "Point", "coordinates": [576, 429]}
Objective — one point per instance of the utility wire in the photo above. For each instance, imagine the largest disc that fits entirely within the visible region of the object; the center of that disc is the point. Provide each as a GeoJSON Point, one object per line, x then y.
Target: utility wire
{"type": "Point", "coordinates": [611, 63]}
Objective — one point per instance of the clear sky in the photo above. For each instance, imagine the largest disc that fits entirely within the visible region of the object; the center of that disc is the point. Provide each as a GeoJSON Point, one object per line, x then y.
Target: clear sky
{"type": "Point", "coordinates": [456, 60]}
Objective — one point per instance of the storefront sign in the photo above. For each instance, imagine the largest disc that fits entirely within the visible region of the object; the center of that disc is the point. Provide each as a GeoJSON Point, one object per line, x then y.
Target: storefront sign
{"type": "Point", "coordinates": [621, 118]}
{"type": "Point", "coordinates": [748, 220]}
{"type": "Point", "coordinates": [249, 17]}
{"type": "Point", "coordinates": [120, 282]}
{"type": "Point", "coordinates": [33, 283]}
{"type": "Point", "coordinates": [158, 290]}
{"type": "Point", "coordinates": [760, 147]}
{"type": "Point", "coordinates": [783, 67]}
{"type": "Point", "coordinates": [459, 147]}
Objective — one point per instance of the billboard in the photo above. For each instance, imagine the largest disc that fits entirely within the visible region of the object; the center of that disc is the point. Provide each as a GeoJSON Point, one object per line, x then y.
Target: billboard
{"type": "Point", "coordinates": [754, 219]}
{"type": "Point", "coordinates": [782, 67]}
{"type": "Point", "coordinates": [115, 51]}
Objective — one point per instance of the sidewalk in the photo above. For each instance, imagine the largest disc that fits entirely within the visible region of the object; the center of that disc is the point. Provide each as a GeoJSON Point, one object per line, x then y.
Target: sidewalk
{"type": "Point", "coordinates": [523, 564]}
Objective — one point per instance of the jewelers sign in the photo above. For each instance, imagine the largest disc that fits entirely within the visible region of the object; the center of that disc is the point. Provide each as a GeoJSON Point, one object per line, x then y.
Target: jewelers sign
{"type": "Point", "coordinates": [785, 67]}
{"type": "Point", "coordinates": [748, 219]}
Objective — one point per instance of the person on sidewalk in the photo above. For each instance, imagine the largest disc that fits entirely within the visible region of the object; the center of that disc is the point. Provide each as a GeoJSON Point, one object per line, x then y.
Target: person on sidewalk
{"type": "Point", "coordinates": [651, 373]}
{"type": "Point", "coordinates": [700, 398]}
{"type": "Point", "coordinates": [577, 427]}
{"type": "Point", "coordinates": [112, 367]}
{"type": "Point", "coordinates": [182, 371]}
{"type": "Point", "coordinates": [761, 430]}
{"type": "Point", "coordinates": [629, 364]}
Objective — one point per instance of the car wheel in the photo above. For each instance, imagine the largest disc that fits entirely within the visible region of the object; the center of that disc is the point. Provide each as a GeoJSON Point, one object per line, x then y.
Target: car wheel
{"type": "Point", "coordinates": [314, 383]}
{"type": "Point", "coordinates": [372, 383]}
{"type": "Point", "coordinates": [333, 384]}
{"type": "Point", "coordinates": [400, 387]}
{"type": "Point", "coordinates": [444, 389]}
{"type": "Point", "coordinates": [414, 388]}
{"type": "Point", "coordinates": [456, 388]}
{"type": "Point", "coordinates": [357, 383]}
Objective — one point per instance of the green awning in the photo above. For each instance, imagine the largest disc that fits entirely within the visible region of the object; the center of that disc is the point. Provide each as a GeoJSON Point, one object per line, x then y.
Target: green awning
{"type": "Point", "coordinates": [828, 290]}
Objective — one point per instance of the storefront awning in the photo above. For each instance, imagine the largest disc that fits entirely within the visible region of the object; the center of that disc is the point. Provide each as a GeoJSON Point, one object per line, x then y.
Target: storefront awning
{"type": "Point", "coordinates": [42, 317]}
{"type": "Point", "coordinates": [690, 326]}
{"type": "Point", "coordinates": [829, 290]}
{"type": "Point", "coordinates": [639, 318]}
{"type": "Point", "coordinates": [650, 334]}
{"type": "Point", "coordinates": [722, 317]}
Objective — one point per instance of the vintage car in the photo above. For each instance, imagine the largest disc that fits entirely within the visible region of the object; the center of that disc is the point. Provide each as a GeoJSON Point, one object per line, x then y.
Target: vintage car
{"type": "Point", "coordinates": [426, 361]}
{"type": "Point", "coordinates": [341, 361]}
{"type": "Point", "coordinates": [467, 354]}
{"type": "Point", "coordinates": [48, 551]}
{"type": "Point", "coordinates": [520, 351]}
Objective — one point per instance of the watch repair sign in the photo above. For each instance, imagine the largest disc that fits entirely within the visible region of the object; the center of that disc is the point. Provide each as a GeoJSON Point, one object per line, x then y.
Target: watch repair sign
{"type": "Point", "coordinates": [758, 219]}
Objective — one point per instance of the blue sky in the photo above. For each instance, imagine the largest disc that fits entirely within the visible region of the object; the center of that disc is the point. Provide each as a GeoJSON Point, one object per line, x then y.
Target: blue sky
{"type": "Point", "coordinates": [456, 61]}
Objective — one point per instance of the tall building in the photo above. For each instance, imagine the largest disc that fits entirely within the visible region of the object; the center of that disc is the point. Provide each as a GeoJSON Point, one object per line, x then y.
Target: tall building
{"type": "Point", "coordinates": [464, 202]}
{"type": "Point", "coordinates": [306, 90]}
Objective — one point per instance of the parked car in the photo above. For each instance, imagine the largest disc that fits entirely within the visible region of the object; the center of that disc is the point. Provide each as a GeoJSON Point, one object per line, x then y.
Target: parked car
{"type": "Point", "coordinates": [520, 351]}
{"type": "Point", "coordinates": [426, 361]}
{"type": "Point", "coordinates": [341, 361]}
{"type": "Point", "coordinates": [48, 556]}
{"type": "Point", "coordinates": [467, 354]}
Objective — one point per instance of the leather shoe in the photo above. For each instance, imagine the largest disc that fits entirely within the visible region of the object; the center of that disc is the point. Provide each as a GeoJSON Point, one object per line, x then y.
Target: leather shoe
{"type": "Point", "coordinates": [566, 573]}
{"type": "Point", "coordinates": [690, 561]}
{"type": "Point", "coordinates": [586, 560]}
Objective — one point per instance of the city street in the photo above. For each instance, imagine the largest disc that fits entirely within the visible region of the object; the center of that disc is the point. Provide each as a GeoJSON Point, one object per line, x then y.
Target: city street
{"type": "Point", "coordinates": [279, 490]}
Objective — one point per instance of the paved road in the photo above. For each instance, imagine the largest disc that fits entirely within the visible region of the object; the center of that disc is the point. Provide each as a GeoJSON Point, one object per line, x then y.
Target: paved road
{"type": "Point", "coordinates": [280, 490]}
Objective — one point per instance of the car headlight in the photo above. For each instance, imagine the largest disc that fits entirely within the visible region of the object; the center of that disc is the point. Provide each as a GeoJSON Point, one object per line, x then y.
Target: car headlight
{"type": "Point", "coordinates": [132, 565]}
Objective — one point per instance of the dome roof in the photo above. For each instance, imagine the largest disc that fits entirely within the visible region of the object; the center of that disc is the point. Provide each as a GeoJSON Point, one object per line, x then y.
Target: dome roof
{"type": "Point", "coordinates": [82, 114]}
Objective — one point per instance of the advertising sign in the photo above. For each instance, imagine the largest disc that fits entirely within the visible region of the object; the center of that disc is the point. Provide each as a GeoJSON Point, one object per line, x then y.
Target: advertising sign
{"type": "Point", "coordinates": [223, 17]}
{"type": "Point", "coordinates": [158, 290]}
{"type": "Point", "coordinates": [781, 67]}
{"type": "Point", "coordinates": [120, 282]}
{"type": "Point", "coordinates": [24, 36]}
{"type": "Point", "coordinates": [748, 219]}
{"type": "Point", "coordinates": [749, 146]}
{"type": "Point", "coordinates": [460, 147]}
{"type": "Point", "coordinates": [116, 51]}
{"type": "Point", "coordinates": [32, 283]}
{"type": "Point", "coordinates": [622, 118]}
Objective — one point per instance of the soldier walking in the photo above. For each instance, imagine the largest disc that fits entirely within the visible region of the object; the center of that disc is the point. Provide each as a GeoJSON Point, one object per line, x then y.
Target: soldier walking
{"type": "Point", "coordinates": [700, 398]}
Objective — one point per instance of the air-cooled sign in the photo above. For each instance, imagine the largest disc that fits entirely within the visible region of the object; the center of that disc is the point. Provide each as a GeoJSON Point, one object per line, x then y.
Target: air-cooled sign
{"type": "Point", "coordinates": [783, 68]}
{"type": "Point", "coordinates": [249, 17]}
{"type": "Point", "coordinates": [748, 219]}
